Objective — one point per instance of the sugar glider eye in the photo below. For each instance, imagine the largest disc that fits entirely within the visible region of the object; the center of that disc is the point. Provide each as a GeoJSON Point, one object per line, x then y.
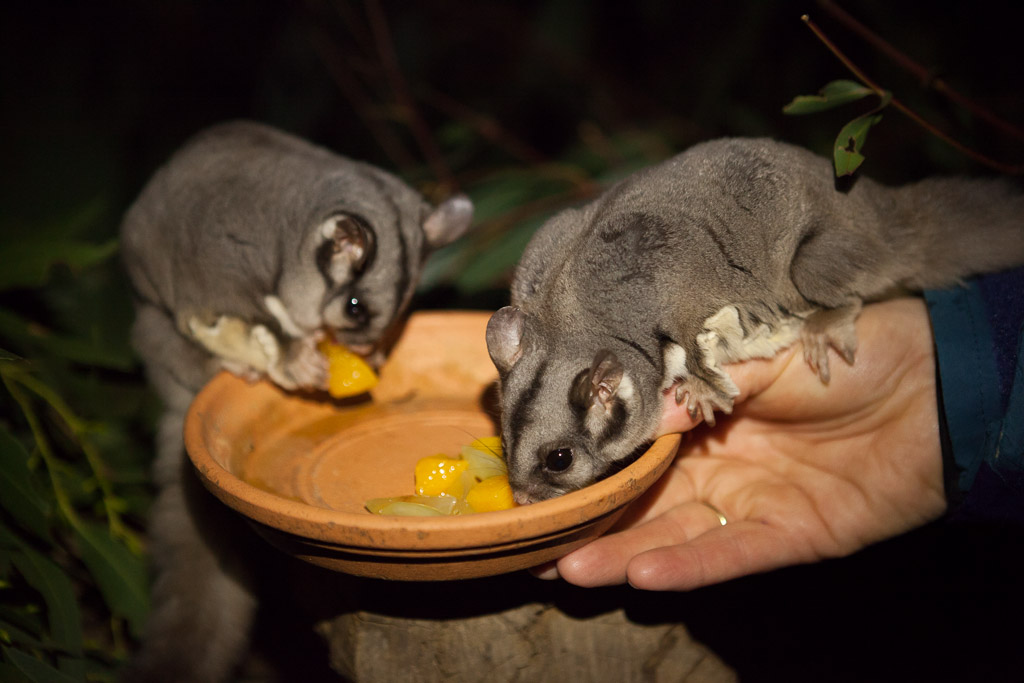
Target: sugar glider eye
{"type": "Point", "coordinates": [558, 460]}
{"type": "Point", "coordinates": [357, 311]}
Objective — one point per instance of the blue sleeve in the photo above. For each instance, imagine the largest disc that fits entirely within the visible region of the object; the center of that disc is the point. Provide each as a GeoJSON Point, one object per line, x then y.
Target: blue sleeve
{"type": "Point", "coordinates": [979, 344]}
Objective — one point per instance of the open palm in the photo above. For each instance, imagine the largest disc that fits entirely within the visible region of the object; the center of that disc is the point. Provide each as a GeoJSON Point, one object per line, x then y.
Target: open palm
{"type": "Point", "coordinates": [802, 471]}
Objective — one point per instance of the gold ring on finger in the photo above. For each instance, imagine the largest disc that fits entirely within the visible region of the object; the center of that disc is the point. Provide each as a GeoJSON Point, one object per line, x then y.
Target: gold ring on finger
{"type": "Point", "coordinates": [721, 516]}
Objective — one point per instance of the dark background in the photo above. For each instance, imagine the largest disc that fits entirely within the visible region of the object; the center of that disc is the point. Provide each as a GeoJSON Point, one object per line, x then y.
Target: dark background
{"type": "Point", "coordinates": [529, 106]}
{"type": "Point", "coordinates": [96, 94]}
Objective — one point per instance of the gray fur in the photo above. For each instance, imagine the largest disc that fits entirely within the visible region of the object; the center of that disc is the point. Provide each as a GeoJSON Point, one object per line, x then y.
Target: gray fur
{"type": "Point", "coordinates": [732, 250]}
{"type": "Point", "coordinates": [233, 267]}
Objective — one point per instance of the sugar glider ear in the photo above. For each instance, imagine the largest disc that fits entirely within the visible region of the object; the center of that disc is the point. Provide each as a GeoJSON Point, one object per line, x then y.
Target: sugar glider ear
{"type": "Point", "coordinates": [348, 246]}
{"type": "Point", "coordinates": [605, 376]}
{"type": "Point", "coordinates": [505, 337]}
{"type": "Point", "coordinates": [449, 221]}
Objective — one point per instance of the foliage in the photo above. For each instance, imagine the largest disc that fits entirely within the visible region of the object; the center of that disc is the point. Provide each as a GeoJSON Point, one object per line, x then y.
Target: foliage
{"type": "Point", "coordinates": [846, 152]}
{"type": "Point", "coordinates": [72, 473]}
{"type": "Point", "coordinates": [528, 107]}
{"type": "Point", "coordinates": [510, 203]}
{"type": "Point", "coordinates": [847, 156]}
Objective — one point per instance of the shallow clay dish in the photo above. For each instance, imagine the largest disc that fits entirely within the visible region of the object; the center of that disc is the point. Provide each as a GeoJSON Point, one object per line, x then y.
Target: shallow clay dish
{"type": "Point", "coordinates": [301, 468]}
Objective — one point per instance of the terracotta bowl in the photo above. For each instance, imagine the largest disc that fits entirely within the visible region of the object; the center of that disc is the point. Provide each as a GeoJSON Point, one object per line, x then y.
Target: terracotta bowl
{"type": "Point", "coordinates": [301, 468]}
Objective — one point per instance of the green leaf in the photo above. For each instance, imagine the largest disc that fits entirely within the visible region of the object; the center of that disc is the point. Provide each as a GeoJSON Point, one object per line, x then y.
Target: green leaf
{"type": "Point", "coordinates": [120, 575]}
{"type": "Point", "coordinates": [27, 262]}
{"type": "Point", "coordinates": [850, 141]}
{"type": "Point", "coordinates": [56, 589]}
{"type": "Point", "coordinates": [8, 357]}
{"type": "Point", "coordinates": [834, 94]}
{"type": "Point", "coordinates": [14, 327]}
{"type": "Point", "coordinates": [35, 669]}
{"type": "Point", "coordinates": [23, 619]}
{"type": "Point", "coordinates": [11, 674]}
{"type": "Point", "coordinates": [489, 266]}
{"type": "Point", "coordinates": [17, 494]}
{"type": "Point", "coordinates": [10, 633]}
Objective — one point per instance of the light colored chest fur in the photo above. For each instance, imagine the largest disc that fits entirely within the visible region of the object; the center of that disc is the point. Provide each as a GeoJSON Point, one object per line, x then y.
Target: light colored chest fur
{"type": "Point", "coordinates": [723, 340]}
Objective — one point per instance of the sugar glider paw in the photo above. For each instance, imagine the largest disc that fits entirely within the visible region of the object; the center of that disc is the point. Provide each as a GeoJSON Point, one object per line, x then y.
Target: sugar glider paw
{"type": "Point", "coordinates": [242, 370]}
{"type": "Point", "coordinates": [304, 364]}
{"type": "Point", "coordinates": [702, 398]}
{"type": "Point", "coordinates": [262, 338]}
{"type": "Point", "coordinates": [829, 328]}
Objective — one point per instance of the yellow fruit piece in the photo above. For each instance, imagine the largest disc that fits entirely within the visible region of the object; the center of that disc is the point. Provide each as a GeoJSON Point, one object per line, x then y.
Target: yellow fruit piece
{"type": "Point", "coordinates": [413, 506]}
{"type": "Point", "coordinates": [482, 464]}
{"type": "Point", "coordinates": [475, 482]}
{"type": "Point", "coordinates": [493, 493]}
{"type": "Point", "coordinates": [348, 373]}
{"type": "Point", "coordinates": [440, 476]}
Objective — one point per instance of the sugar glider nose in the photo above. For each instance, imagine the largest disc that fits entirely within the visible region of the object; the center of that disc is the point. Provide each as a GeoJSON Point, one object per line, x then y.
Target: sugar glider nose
{"type": "Point", "coordinates": [362, 349]}
{"type": "Point", "coordinates": [522, 497]}
{"type": "Point", "coordinates": [370, 353]}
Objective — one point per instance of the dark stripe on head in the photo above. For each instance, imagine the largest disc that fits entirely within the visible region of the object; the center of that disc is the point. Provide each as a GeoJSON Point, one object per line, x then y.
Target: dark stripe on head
{"type": "Point", "coordinates": [519, 418]}
{"type": "Point", "coordinates": [614, 423]}
{"type": "Point", "coordinates": [403, 281]}
{"type": "Point", "coordinates": [580, 393]}
{"type": "Point", "coordinates": [404, 276]}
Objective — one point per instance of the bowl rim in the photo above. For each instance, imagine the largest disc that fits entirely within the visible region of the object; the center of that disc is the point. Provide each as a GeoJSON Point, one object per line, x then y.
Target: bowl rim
{"type": "Point", "coordinates": [536, 521]}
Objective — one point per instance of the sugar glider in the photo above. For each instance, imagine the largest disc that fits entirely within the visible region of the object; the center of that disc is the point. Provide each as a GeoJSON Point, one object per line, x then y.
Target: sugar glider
{"type": "Point", "coordinates": [243, 250]}
{"type": "Point", "coordinates": [734, 249]}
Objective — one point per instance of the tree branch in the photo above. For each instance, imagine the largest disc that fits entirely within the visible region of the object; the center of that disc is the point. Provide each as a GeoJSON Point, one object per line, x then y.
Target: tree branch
{"type": "Point", "coordinates": [926, 76]}
{"type": "Point", "coordinates": [420, 131]}
{"type": "Point", "coordinates": [904, 109]}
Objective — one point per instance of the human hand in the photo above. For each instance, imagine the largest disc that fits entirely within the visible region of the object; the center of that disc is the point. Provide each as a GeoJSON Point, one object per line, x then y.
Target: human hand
{"type": "Point", "coordinates": [801, 471]}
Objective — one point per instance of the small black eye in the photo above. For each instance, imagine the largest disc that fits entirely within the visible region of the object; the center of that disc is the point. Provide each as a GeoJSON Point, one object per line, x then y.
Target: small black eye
{"type": "Point", "coordinates": [558, 460]}
{"type": "Point", "coordinates": [357, 311]}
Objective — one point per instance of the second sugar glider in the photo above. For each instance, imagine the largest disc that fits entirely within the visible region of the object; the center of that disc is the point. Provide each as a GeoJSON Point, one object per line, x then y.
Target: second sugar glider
{"type": "Point", "coordinates": [244, 250]}
{"type": "Point", "coordinates": [732, 250]}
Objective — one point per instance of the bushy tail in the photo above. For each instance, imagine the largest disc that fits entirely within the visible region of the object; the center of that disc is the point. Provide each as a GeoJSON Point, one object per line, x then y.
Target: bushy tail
{"type": "Point", "coordinates": [959, 227]}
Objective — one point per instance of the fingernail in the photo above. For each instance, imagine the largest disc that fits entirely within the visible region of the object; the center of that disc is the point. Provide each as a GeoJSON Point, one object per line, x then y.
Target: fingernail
{"type": "Point", "coordinates": [547, 571]}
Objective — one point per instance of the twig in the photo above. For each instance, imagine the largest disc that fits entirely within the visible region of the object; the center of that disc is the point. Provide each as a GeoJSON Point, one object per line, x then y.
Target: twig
{"type": "Point", "coordinates": [353, 91]}
{"type": "Point", "coordinates": [926, 76]}
{"type": "Point", "coordinates": [420, 131]}
{"type": "Point", "coordinates": [487, 126]}
{"type": "Point", "coordinates": [489, 232]}
{"type": "Point", "coordinates": [904, 109]}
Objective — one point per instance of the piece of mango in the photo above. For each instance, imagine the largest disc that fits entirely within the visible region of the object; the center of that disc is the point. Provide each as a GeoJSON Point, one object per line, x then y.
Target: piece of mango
{"type": "Point", "coordinates": [440, 476]}
{"type": "Point", "coordinates": [348, 373]}
{"type": "Point", "coordinates": [493, 493]}
{"type": "Point", "coordinates": [474, 481]}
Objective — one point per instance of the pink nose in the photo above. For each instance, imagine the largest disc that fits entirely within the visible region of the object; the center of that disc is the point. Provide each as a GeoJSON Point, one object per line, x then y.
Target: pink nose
{"type": "Point", "coordinates": [370, 353]}
{"type": "Point", "coordinates": [521, 497]}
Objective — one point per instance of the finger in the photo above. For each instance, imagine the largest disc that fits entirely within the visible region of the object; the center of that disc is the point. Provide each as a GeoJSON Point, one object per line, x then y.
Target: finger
{"type": "Point", "coordinates": [734, 550]}
{"type": "Point", "coordinates": [752, 377]}
{"type": "Point", "coordinates": [675, 416]}
{"type": "Point", "coordinates": [604, 562]}
{"type": "Point", "coordinates": [546, 571]}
